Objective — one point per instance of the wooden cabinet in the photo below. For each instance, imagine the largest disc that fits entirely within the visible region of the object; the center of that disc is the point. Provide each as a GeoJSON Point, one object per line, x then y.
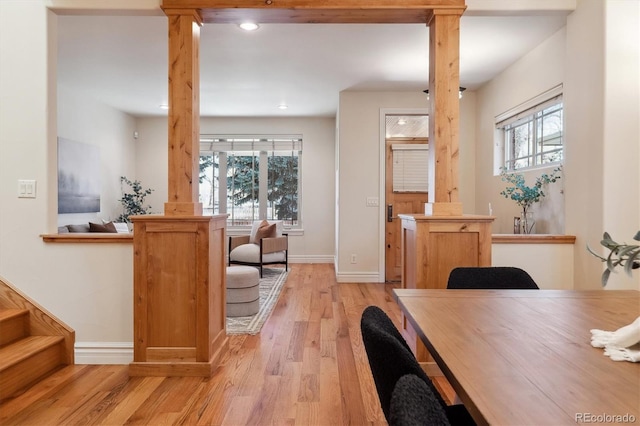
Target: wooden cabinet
{"type": "Point", "coordinates": [179, 295]}
{"type": "Point", "coordinates": [432, 246]}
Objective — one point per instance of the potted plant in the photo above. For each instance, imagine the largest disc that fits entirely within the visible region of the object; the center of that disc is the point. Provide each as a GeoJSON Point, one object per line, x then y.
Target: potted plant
{"type": "Point", "coordinates": [525, 196]}
{"type": "Point", "coordinates": [624, 255]}
{"type": "Point", "coordinates": [133, 202]}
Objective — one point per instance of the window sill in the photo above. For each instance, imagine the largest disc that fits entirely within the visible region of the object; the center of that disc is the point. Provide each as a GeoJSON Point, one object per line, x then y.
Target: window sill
{"type": "Point", "coordinates": [237, 232]}
{"type": "Point", "coordinates": [532, 239]}
{"type": "Point", "coordinates": [84, 238]}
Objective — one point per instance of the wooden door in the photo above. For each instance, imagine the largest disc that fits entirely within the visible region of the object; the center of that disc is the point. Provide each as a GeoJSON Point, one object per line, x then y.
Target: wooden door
{"type": "Point", "coordinates": [399, 202]}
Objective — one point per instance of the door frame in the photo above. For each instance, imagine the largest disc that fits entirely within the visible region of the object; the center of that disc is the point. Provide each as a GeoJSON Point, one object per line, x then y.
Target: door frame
{"type": "Point", "coordinates": [381, 185]}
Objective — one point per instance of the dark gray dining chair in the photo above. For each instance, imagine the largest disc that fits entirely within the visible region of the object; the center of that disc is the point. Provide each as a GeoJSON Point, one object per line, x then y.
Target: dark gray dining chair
{"type": "Point", "coordinates": [390, 358]}
{"type": "Point", "coordinates": [414, 404]}
{"type": "Point", "coordinates": [491, 278]}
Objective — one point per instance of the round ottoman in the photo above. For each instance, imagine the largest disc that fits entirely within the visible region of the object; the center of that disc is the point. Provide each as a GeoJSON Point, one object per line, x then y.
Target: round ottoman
{"type": "Point", "coordinates": [243, 291]}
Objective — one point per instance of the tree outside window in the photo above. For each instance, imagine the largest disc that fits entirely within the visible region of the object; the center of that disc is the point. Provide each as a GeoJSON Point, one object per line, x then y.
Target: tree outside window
{"type": "Point", "coordinates": [234, 181]}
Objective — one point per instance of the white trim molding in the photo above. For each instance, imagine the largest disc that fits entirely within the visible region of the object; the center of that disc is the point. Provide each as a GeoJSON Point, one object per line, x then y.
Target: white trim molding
{"type": "Point", "coordinates": [358, 277]}
{"type": "Point", "coordinates": [103, 352]}
{"type": "Point", "coordinates": [311, 258]}
{"type": "Point", "coordinates": [382, 212]}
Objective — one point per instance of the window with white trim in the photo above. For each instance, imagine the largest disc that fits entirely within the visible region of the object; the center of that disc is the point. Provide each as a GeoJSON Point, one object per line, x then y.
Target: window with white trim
{"type": "Point", "coordinates": [235, 181]}
{"type": "Point", "coordinates": [533, 133]}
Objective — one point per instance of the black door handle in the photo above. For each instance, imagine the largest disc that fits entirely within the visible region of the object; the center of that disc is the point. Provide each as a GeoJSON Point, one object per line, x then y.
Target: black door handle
{"type": "Point", "coordinates": [390, 213]}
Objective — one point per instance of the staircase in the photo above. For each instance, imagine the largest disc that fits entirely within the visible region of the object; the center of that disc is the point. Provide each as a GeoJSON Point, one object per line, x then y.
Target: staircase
{"type": "Point", "coordinates": [33, 343]}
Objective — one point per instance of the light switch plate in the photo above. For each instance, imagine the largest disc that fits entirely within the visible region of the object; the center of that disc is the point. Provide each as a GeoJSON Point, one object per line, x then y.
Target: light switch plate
{"type": "Point", "coordinates": [26, 188]}
{"type": "Point", "coordinates": [373, 202]}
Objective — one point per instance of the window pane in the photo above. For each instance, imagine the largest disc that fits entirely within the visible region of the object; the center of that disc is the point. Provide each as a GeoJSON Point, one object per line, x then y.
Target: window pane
{"type": "Point", "coordinates": [534, 139]}
{"type": "Point", "coordinates": [231, 182]}
{"type": "Point", "coordinates": [209, 183]}
{"type": "Point", "coordinates": [283, 188]}
{"type": "Point", "coordinates": [522, 162]}
{"type": "Point", "coordinates": [522, 141]}
{"type": "Point", "coordinates": [551, 157]}
{"type": "Point", "coordinates": [242, 188]}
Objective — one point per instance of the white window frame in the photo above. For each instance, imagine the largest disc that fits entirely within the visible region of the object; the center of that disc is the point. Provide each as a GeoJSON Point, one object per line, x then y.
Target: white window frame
{"type": "Point", "coordinates": [261, 145]}
{"type": "Point", "coordinates": [531, 113]}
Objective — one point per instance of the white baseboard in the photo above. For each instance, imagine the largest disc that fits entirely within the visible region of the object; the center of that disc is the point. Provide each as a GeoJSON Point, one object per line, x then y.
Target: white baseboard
{"type": "Point", "coordinates": [320, 258]}
{"type": "Point", "coordinates": [302, 258]}
{"type": "Point", "coordinates": [103, 352]}
{"type": "Point", "coordinates": [358, 277]}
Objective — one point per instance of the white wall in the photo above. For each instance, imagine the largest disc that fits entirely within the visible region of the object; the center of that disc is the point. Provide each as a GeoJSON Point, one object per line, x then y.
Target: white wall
{"type": "Point", "coordinates": [82, 119]}
{"type": "Point", "coordinates": [602, 131]}
{"type": "Point", "coordinates": [596, 58]}
{"type": "Point", "coordinates": [318, 184]}
{"type": "Point", "coordinates": [621, 185]}
{"type": "Point", "coordinates": [360, 170]}
{"type": "Point", "coordinates": [538, 71]}
{"type": "Point", "coordinates": [550, 265]}
{"type": "Point", "coordinates": [584, 124]}
{"type": "Point", "coordinates": [87, 286]}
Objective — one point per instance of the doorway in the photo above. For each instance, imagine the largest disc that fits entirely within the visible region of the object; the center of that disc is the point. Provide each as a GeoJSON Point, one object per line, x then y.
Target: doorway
{"type": "Point", "coordinates": [406, 181]}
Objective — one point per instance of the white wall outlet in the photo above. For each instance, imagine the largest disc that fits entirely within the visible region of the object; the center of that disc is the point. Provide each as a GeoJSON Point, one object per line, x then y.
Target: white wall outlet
{"type": "Point", "coordinates": [373, 202]}
{"type": "Point", "coordinates": [354, 259]}
{"type": "Point", "coordinates": [26, 188]}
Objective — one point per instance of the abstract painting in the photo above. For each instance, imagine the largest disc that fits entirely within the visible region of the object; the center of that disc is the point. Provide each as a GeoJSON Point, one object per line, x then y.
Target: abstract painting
{"type": "Point", "coordinates": [78, 177]}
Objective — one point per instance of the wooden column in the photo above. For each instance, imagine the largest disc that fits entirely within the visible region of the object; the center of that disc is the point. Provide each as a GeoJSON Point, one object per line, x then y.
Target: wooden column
{"type": "Point", "coordinates": [184, 112]}
{"type": "Point", "coordinates": [179, 267]}
{"type": "Point", "coordinates": [443, 238]}
{"type": "Point", "coordinates": [444, 116]}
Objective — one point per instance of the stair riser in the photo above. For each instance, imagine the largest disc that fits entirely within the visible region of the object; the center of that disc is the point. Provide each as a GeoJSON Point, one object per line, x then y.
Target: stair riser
{"type": "Point", "coordinates": [30, 370]}
{"type": "Point", "coordinates": [14, 328]}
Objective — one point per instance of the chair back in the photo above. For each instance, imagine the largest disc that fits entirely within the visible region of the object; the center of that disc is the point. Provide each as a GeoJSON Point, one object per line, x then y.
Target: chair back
{"type": "Point", "coordinates": [256, 224]}
{"type": "Point", "coordinates": [389, 356]}
{"type": "Point", "coordinates": [414, 404]}
{"type": "Point", "coordinates": [492, 277]}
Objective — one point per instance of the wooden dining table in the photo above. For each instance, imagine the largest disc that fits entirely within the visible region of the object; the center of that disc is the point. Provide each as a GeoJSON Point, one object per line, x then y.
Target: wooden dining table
{"type": "Point", "coordinates": [524, 357]}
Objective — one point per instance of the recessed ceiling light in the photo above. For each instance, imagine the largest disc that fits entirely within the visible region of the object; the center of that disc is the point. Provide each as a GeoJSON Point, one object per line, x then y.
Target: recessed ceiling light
{"type": "Point", "coordinates": [282, 106]}
{"type": "Point", "coordinates": [164, 106]}
{"type": "Point", "coordinates": [249, 26]}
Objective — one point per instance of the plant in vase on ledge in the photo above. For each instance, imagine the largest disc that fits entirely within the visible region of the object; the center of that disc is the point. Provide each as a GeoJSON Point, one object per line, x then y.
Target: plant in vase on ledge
{"type": "Point", "coordinates": [525, 196]}
{"type": "Point", "coordinates": [624, 255]}
{"type": "Point", "coordinates": [133, 202]}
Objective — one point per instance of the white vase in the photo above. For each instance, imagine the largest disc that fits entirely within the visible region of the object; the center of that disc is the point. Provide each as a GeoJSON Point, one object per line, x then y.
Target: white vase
{"type": "Point", "coordinates": [528, 223]}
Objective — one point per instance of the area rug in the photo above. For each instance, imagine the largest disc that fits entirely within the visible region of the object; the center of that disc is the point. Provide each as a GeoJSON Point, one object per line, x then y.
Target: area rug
{"type": "Point", "coordinates": [270, 285]}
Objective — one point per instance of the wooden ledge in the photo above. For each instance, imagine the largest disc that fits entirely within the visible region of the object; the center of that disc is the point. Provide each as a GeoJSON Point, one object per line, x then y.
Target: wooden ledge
{"type": "Point", "coordinates": [88, 237]}
{"type": "Point", "coordinates": [532, 239]}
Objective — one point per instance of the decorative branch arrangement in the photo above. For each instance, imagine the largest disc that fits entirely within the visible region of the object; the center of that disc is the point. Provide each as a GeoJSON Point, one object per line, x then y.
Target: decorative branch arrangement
{"type": "Point", "coordinates": [525, 196]}
{"type": "Point", "coordinates": [133, 202]}
{"type": "Point", "coordinates": [624, 255]}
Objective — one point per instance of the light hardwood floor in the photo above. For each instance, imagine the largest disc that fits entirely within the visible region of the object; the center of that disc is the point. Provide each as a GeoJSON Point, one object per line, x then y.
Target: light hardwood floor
{"type": "Point", "coordinates": [307, 366]}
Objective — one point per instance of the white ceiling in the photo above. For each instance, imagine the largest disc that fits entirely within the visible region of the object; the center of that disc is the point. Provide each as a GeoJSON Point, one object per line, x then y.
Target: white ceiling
{"type": "Point", "coordinates": [122, 61]}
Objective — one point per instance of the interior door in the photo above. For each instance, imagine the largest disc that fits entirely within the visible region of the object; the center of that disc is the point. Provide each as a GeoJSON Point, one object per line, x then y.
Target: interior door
{"type": "Point", "coordinates": [405, 192]}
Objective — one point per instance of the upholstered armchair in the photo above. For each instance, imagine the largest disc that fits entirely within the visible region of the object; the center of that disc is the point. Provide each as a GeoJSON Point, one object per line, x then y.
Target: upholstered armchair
{"type": "Point", "coordinates": [265, 245]}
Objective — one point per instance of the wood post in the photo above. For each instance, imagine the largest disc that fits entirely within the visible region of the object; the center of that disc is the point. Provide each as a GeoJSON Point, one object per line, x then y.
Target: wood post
{"type": "Point", "coordinates": [179, 267]}
{"type": "Point", "coordinates": [444, 116]}
{"type": "Point", "coordinates": [184, 112]}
